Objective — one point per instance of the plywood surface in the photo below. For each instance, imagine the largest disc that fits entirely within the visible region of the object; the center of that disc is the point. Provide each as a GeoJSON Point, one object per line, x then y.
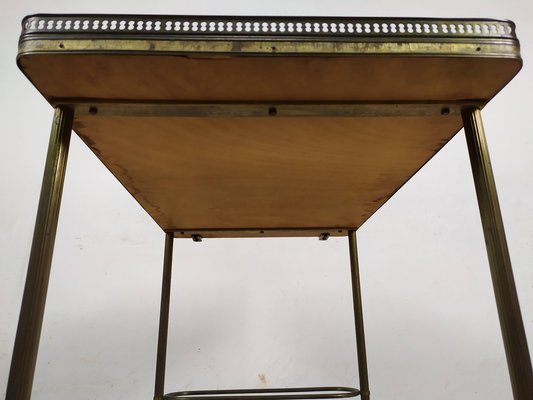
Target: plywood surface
{"type": "Point", "coordinates": [280, 78]}
{"type": "Point", "coordinates": [226, 173]}
{"type": "Point", "coordinates": [249, 173]}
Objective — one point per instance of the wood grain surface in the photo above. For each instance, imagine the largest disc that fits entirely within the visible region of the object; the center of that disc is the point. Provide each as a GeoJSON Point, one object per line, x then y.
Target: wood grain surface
{"type": "Point", "coordinates": [226, 173]}
{"type": "Point", "coordinates": [249, 78]}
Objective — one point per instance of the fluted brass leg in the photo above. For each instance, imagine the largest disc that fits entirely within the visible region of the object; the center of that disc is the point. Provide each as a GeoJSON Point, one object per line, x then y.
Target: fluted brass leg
{"type": "Point", "coordinates": [358, 315]}
{"type": "Point", "coordinates": [514, 337]}
{"type": "Point", "coordinates": [159, 391]}
{"type": "Point", "coordinates": [34, 298]}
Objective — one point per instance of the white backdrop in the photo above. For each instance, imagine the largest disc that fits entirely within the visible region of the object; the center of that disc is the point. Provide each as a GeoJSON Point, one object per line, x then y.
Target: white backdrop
{"type": "Point", "coordinates": [276, 312]}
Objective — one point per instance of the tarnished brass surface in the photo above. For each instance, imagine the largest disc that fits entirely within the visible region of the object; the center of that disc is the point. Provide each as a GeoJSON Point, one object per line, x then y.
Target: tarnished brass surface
{"type": "Point", "coordinates": [159, 390]}
{"type": "Point", "coordinates": [236, 48]}
{"type": "Point", "coordinates": [494, 48]}
{"type": "Point", "coordinates": [512, 326]}
{"type": "Point", "coordinates": [358, 317]}
{"type": "Point", "coordinates": [34, 297]}
{"type": "Point", "coordinates": [299, 28]}
{"type": "Point", "coordinates": [302, 393]}
{"type": "Point", "coordinates": [98, 108]}
{"type": "Point", "coordinates": [265, 127]}
{"type": "Point", "coordinates": [261, 232]}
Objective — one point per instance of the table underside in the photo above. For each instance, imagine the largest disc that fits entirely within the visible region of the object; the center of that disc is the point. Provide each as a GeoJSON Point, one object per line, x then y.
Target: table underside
{"type": "Point", "coordinates": [265, 136]}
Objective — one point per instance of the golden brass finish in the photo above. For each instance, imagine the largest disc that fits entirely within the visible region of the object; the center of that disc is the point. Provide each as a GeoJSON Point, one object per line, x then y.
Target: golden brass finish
{"type": "Point", "coordinates": [263, 393]}
{"type": "Point", "coordinates": [34, 298]}
{"type": "Point", "coordinates": [268, 127]}
{"type": "Point", "coordinates": [490, 48]}
{"type": "Point", "coordinates": [307, 393]}
{"type": "Point", "coordinates": [259, 232]}
{"type": "Point", "coordinates": [264, 27]}
{"type": "Point", "coordinates": [159, 390]}
{"type": "Point", "coordinates": [514, 337]}
{"type": "Point", "coordinates": [275, 109]}
{"type": "Point", "coordinates": [358, 317]}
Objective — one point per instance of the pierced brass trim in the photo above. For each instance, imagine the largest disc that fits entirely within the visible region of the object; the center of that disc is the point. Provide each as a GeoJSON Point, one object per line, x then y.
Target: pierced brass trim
{"type": "Point", "coordinates": [262, 26]}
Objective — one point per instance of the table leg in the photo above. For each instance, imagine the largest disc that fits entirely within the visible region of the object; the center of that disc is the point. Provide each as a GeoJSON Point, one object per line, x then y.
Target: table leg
{"type": "Point", "coordinates": [159, 391]}
{"type": "Point", "coordinates": [358, 316]}
{"type": "Point", "coordinates": [33, 301]}
{"type": "Point", "coordinates": [514, 337]}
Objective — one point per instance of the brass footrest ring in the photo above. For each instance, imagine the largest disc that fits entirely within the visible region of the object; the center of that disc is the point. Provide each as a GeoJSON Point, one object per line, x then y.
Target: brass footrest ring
{"type": "Point", "coordinates": [270, 394]}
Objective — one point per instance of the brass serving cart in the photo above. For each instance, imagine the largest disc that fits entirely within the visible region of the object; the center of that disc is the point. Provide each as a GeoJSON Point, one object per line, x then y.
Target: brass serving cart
{"type": "Point", "coordinates": [261, 127]}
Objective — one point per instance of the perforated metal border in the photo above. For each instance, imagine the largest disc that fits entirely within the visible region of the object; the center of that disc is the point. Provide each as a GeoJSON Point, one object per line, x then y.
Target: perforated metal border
{"type": "Point", "coordinates": [324, 27]}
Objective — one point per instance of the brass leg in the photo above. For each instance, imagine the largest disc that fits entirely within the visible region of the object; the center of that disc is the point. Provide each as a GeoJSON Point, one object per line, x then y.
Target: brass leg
{"type": "Point", "coordinates": [358, 315]}
{"type": "Point", "coordinates": [33, 301]}
{"type": "Point", "coordinates": [159, 391]}
{"type": "Point", "coordinates": [512, 327]}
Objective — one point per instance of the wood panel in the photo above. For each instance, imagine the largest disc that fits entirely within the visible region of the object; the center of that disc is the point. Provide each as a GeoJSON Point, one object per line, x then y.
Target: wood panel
{"type": "Point", "coordinates": [282, 78]}
{"type": "Point", "coordinates": [225, 173]}
{"type": "Point", "coordinates": [195, 173]}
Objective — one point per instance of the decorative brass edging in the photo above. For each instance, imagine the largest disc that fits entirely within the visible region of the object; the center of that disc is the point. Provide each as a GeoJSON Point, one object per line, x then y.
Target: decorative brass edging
{"type": "Point", "coordinates": [250, 26]}
{"type": "Point", "coordinates": [480, 48]}
{"type": "Point", "coordinates": [344, 36]}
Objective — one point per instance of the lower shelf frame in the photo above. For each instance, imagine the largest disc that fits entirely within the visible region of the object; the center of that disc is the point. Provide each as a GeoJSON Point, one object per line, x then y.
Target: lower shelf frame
{"type": "Point", "coordinates": [307, 393]}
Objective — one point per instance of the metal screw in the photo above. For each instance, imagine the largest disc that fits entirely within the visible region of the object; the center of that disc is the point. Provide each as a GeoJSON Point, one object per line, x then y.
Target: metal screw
{"type": "Point", "coordinates": [324, 236]}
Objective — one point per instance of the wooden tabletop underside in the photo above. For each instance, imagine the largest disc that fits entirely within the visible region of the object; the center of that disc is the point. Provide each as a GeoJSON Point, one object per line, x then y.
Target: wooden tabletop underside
{"type": "Point", "coordinates": [258, 174]}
